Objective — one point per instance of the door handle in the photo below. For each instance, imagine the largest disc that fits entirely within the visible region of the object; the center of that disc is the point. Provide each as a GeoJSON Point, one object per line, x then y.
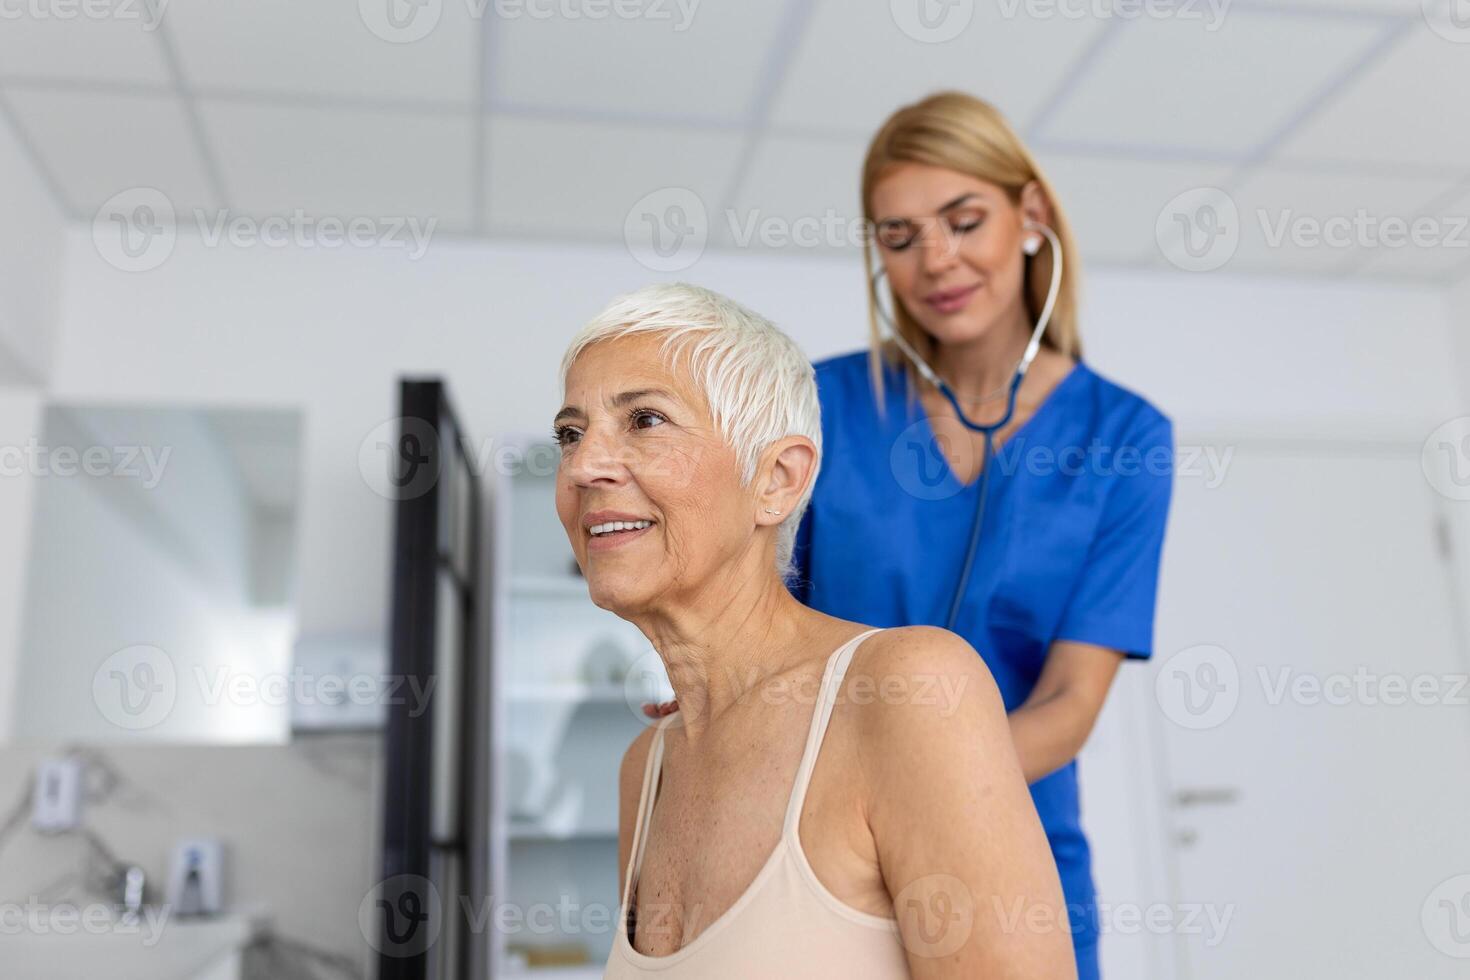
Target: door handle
{"type": "Point", "coordinates": [1206, 796]}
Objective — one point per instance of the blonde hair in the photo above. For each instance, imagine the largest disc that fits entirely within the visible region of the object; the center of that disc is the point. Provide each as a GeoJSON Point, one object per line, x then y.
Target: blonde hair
{"type": "Point", "coordinates": [759, 385]}
{"type": "Point", "coordinates": [968, 135]}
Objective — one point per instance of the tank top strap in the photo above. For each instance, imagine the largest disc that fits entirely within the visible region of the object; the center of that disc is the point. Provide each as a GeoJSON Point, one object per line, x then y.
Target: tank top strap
{"type": "Point", "coordinates": [652, 768]}
{"type": "Point", "coordinates": [821, 715]}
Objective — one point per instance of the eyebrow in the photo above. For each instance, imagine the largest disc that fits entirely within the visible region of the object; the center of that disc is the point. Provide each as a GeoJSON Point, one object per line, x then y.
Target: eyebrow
{"type": "Point", "coordinates": [620, 399]}
{"type": "Point", "coordinates": [963, 198]}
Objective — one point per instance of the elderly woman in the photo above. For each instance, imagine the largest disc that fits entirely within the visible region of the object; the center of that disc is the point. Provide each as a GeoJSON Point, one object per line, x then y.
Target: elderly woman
{"type": "Point", "coordinates": [829, 799]}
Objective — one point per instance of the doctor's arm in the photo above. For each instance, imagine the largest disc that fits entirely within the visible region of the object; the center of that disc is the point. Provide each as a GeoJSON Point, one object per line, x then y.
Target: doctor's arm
{"type": "Point", "coordinates": [1052, 725]}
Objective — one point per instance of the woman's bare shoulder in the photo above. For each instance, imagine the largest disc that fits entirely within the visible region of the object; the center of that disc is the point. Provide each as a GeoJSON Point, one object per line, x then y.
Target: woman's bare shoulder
{"type": "Point", "coordinates": [909, 683]}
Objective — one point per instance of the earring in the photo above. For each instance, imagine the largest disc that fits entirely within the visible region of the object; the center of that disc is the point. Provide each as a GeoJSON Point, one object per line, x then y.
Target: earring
{"type": "Point", "coordinates": [1032, 245]}
{"type": "Point", "coordinates": [769, 511]}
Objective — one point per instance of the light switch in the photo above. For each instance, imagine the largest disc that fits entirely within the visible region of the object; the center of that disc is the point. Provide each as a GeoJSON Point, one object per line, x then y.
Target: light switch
{"type": "Point", "coordinates": [58, 798]}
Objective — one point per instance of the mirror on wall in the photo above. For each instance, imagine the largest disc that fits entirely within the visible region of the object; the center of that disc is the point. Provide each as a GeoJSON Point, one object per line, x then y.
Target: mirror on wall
{"type": "Point", "coordinates": [160, 579]}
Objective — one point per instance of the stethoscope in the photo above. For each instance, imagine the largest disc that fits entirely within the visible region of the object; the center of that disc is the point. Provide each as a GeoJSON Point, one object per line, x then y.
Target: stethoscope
{"type": "Point", "coordinates": [1031, 247]}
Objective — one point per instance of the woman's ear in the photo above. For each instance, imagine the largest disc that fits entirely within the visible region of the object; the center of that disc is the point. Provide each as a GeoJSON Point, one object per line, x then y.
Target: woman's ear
{"type": "Point", "coordinates": [787, 466]}
{"type": "Point", "coordinates": [1034, 205]}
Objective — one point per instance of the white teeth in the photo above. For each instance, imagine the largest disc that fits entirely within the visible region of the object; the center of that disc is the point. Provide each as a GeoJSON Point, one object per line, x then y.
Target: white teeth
{"type": "Point", "coordinates": [612, 526]}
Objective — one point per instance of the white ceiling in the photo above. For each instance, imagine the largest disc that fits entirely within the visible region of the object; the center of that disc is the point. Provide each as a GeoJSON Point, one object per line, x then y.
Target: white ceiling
{"type": "Point", "coordinates": [499, 123]}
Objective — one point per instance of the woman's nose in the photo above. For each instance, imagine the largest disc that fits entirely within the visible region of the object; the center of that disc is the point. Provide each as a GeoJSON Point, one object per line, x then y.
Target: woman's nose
{"type": "Point", "coordinates": [939, 250]}
{"type": "Point", "coordinates": [595, 459]}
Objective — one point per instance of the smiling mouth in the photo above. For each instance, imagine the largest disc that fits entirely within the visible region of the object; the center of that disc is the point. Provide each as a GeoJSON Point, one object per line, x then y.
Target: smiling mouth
{"type": "Point", "coordinates": [614, 528]}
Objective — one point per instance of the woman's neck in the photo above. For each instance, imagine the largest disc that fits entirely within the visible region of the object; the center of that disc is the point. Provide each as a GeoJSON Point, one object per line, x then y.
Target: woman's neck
{"type": "Point", "coordinates": [985, 365]}
{"type": "Point", "coordinates": [730, 637]}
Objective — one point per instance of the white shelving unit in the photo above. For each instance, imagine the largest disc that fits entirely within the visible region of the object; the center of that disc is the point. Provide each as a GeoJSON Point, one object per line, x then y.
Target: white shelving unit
{"type": "Point", "coordinates": [568, 682]}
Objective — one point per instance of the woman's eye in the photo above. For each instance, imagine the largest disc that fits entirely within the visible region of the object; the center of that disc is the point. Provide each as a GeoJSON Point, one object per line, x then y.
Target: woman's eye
{"type": "Point", "coordinates": [966, 223]}
{"type": "Point", "coordinates": [895, 237]}
{"type": "Point", "coordinates": [565, 435]}
{"type": "Point", "coordinates": [644, 416]}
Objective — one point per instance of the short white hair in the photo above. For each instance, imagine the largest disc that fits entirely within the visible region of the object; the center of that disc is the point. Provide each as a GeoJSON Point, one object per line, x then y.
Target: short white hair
{"type": "Point", "coordinates": [759, 385]}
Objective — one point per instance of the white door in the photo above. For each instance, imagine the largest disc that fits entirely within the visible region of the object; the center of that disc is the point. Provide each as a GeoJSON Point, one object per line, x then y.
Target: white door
{"type": "Point", "coordinates": [1311, 727]}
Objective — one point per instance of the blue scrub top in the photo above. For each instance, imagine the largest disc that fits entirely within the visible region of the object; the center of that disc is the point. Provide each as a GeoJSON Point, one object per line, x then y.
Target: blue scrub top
{"type": "Point", "coordinates": [1069, 549]}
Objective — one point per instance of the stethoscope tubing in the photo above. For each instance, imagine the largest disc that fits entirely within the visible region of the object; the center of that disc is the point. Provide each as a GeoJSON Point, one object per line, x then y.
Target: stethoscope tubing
{"type": "Point", "coordinates": [986, 431]}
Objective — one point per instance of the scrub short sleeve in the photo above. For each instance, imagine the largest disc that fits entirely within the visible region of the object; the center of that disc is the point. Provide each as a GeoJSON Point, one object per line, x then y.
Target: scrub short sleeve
{"type": "Point", "coordinates": [1113, 602]}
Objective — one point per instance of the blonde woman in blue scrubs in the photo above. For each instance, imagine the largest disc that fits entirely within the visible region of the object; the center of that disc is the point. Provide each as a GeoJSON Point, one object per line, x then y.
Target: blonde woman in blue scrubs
{"type": "Point", "coordinates": [1063, 577]}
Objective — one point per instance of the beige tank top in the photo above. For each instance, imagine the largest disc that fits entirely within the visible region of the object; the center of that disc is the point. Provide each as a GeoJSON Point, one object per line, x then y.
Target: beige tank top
{"type": "Point", "coordinates": [786, 924]}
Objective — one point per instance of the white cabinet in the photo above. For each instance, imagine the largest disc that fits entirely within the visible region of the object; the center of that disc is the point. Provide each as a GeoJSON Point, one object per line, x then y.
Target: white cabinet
{"type": "Point", "coordinates": [569, 680]}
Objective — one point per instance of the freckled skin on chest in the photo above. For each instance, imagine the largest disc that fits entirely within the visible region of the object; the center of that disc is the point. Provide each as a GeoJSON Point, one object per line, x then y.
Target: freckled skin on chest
{"type": "Point", "coordinates": [719, 813]}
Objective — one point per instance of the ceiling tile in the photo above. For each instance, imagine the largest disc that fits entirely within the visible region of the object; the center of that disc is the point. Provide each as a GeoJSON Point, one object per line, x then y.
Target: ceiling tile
{"type": "Point", "coordinates": [1304, 221]}
{"type": "Point", "coordinates": [682, 58]}
{"type": "Point", "coordinates": [119, 48]}
{"type": "Point", "coordinates": [1443, 249]}
{"type": "Point", "coordinates": [1114, 203]}
{"type": "Point", "coordinates": [329, 49]}
{"type": "Point", "coordinates": [97, 144]}
{"type": "Point", "coordinates": [344, 162]}
{"type": "Point", "coordinates": [856, 64]}
{"type": "Point", "coordinates": [1171, 83]}
{"type": "Point", "coordinates": [799, 195]}
{"type": "Point", "coordinates": [582, 180]}
{"type": "Point", "coordinates": [1409, 107]}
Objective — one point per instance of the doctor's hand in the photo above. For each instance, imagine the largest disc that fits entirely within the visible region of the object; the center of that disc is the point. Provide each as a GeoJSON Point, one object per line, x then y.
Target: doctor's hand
{"type": "Point", "coordinates": [660, 709]}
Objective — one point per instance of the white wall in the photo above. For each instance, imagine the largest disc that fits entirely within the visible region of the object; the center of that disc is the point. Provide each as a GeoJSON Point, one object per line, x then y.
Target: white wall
{"type": "Point", "coordinates": [30, 266]}
{"type": "Point", "coordinates": [330, 331]}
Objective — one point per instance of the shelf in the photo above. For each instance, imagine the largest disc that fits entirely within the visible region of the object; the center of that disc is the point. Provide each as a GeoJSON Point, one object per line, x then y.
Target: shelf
{"type": "Point", "coordinates": [549, 586]}
{"type": "Point", "coordinates": [526, 831]}
{"type": "Point", "coordinates": [569, 692]}
{"type": "Point", "coordinates": [588, 971]}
